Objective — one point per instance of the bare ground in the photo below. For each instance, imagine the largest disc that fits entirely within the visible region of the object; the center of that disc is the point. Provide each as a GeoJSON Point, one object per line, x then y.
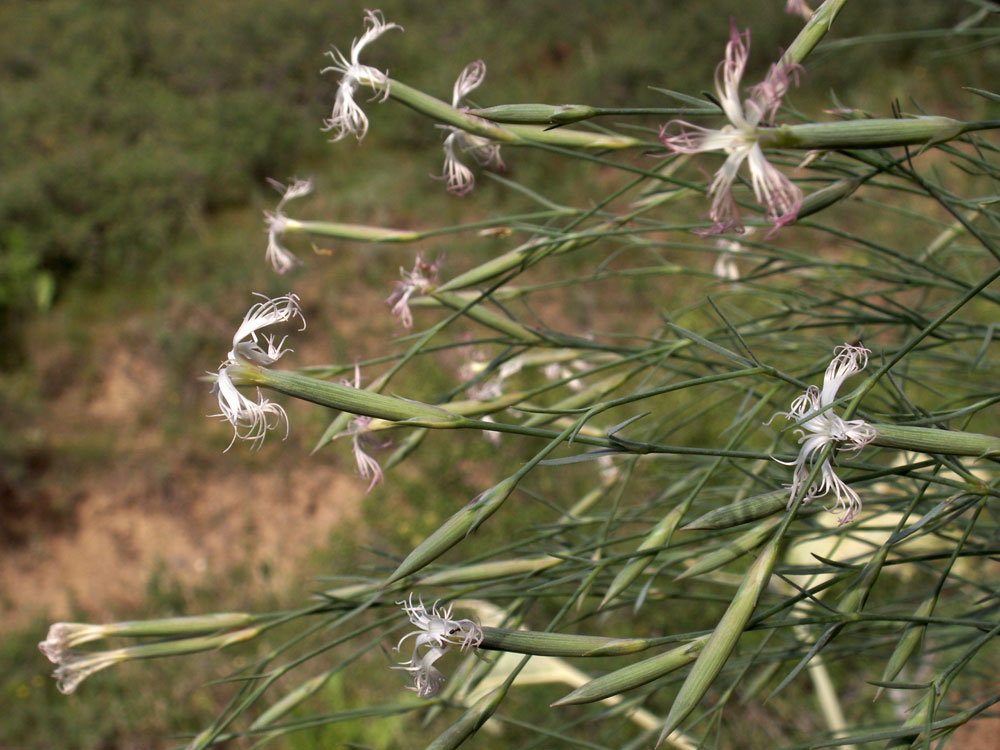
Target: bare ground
{"type": "Point", "coordinates": [81, 536]}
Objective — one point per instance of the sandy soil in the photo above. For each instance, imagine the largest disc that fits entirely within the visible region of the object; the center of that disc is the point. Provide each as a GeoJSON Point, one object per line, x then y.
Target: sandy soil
{"type": "Point", "coordinates": [83, 540]}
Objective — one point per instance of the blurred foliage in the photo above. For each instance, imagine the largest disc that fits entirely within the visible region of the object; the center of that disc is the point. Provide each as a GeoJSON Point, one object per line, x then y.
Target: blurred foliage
{"type": "Point", "coordinates": [126, 124]}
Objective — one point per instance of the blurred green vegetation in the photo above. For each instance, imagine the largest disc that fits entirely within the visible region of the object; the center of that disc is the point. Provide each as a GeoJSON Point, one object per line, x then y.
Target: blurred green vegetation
{"type": "Point", "coordinates": [135, 144]}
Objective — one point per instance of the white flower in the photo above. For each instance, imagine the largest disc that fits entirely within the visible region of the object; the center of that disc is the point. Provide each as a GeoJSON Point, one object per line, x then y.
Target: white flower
{"type": "Point", "coordinates": [436, 632]}
{"type": "Point", "coordinates": [251, 420]}
{"type": "Point", "coordinates": [818, 426]}
{"type": "Point", "coordinates": [457, 176]}
{"type": "Point", "coordinates": [277, 255]}
{"type": "Point", "coordinates": [427, 679]}
{"type": "Point", "coordinates": [73, 667]}
{"type": "Point", "coordinates": [725, 266]}
{"type": "Point", "coordinates": [347, 116]}
{"type": "Point", "coordinates": [368, 467]}
{"type": "Point", "coordinates": [779, 195]}
{"type": "Point", "coordinates": [419, 280]}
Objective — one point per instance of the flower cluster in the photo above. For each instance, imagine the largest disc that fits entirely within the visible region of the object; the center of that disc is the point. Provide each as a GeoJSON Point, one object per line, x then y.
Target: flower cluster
{"type": "Point", "coordinates": [458, 177]}
{"type": "Point", "coordinates": [419, 280]}
{"type": "Point", "coordinates": [436, 633]}
{"type": "Point", "coordinates": [251, 420]}
{"type": "Point", "coordinates": [738, 140]}
{"type": "Point", "coordinates": [819, 426]}
{"type": "Point", "coordinates": [347, 116]}
{"type": "Point", "coordinates": [278, 256]}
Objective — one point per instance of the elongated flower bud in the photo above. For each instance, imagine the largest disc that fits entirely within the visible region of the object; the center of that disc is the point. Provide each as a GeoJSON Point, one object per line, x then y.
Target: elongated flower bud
{"type": "Point", "coordinates": [875, 133]}
{"type": "Point", "coordinates": [345, 397]}
{"type": "Point", "coordinates": [634, 675]}
{"type": "Point", "coordinates": [536, 114]}
{"type": "Point", "coordinates": [455, 529]}
{"type": "Point", "coordinates": [722, 641]}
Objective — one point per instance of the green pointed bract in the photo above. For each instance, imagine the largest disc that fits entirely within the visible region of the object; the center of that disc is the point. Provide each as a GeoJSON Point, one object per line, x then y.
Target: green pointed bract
{"type": "Point", "coordinates": [527, 253]}
{"type": "Point", "coordinates": [489, 318]}
{"type": "Point", "coordinates": [813, 32]}
{"type": "Point", "coordinates": [746, 510]}
{"type": "Point", "coordinates": [536, 114]}
{"type": "Point", "coordinates": [825, 197]}
{"type": "Point", "coordinates": [634, 675]}
{"type": "Point", "coordinates": [512, 135]}
{"type": "Point", "coordinates": [731, 551]}
{"type": "Point", "coordinates": [560, 644]}
{"type": "Point", "coordinates": [586, 397]}
{"type": "Point", "coordinates": [454, 530]}
{"type": "Point", "coordinates": [723, 639]}
{"type": "Point", "coordinates": [470, 721]}
{"type": "Point", "coordinates": [659, 536]}
{"type": "Point", "coordinates": [907, 644]}
{"type": "Point", "coordinates": [489, 571]}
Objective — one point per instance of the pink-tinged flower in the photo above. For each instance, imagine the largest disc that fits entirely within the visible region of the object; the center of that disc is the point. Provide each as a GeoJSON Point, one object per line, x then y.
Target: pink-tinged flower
{"type": "Point", "coordinates": [252, 420]}
{"type": "Point", "coordinates": [799, 8]}
{"type": "Point", "coordinates": [436, 632]}
{"type": "Point", "coordinates": [819, 425]}
{"type": "Point", "coordinates": [368, 466]}
{"type": "Point", "coordinates": [277, 255]}
{"type": "Point", "coordinates": [347, 116]}
{"type": "Point", "coordinates": [738, 140]}
{"type": "Point", "coordinates": [458, 177]}
{"type": "Point", "coordinates": [419, 280]}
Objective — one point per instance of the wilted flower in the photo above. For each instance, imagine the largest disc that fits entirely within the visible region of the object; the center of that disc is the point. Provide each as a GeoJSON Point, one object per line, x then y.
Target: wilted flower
{"type": "Point", "coordinates": [419, 280]}
{"type": "Point", "coordinates": [779, 195]}
{"type": "Point", "coordinates": [819, 426]}
{"type": "Point", "coordinates": [76, 666]}
{"type": "Point", "coordinates": [347, 116]}
{"type": "Point", "coordinates": [63, 636]}
{"type": "Point", "coordinates": [436, 632]}
{"type": "Point", "coordinates": [278, 256]}
{"type": "Point", "coordinates": [458, 177]}
{"type": "Point", "coordinates": [251, 420]}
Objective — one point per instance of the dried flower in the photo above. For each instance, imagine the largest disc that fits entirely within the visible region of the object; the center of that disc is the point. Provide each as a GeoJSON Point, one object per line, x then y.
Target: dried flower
{"type": "Point", "coordinates": [819, 425]}
{"type": "Point", "coordinates": [76, 666]}
{"type": "Point", "coordinates": [457, 176]}
{"type": "Point", "coordinates": [419, 280]}
{"type": "Point", "coordinates": [436, 632]}
{"type": "Point", "coordinates": [277, 255]}
{"type": "Point", "coordinates": [779, 195]}
{"type": "Point", "coordinates": [251, 420]}
{"type": "Point", "coordinates": [347, 116]}
{"type": "Point", "coordinates": [63, 636]}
